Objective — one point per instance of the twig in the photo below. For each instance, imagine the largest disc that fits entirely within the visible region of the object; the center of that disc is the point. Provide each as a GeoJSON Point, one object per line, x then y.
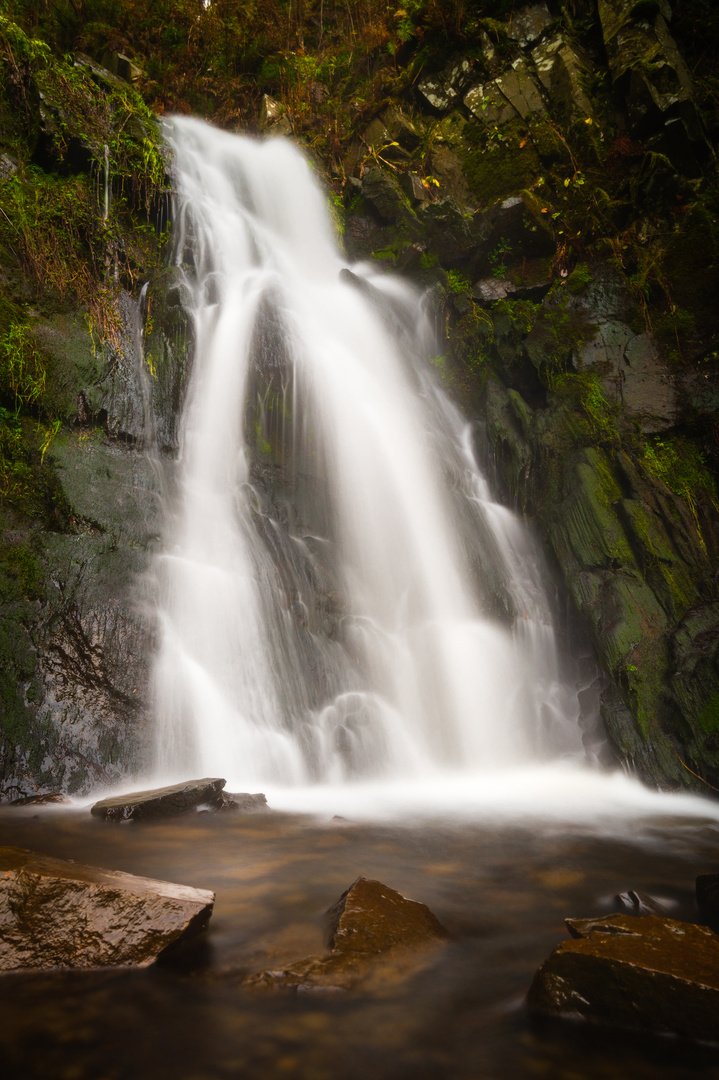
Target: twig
{"type": "Point", "coordinates": [694, 773]}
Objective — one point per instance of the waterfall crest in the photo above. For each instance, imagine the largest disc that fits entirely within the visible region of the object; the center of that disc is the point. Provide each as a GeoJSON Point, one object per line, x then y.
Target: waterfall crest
{"type": "Point", "coordinates": [339, 596]}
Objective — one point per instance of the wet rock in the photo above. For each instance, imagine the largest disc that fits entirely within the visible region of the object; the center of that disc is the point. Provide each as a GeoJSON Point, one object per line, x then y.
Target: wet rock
{"type": "Point", "coordinates": [161, 802]}
{"type": "Point", "coordinates": [386, 198]}
{"type": "Point", "coordinates": [633, 374]}
{"type": "Point", "coordinates": [372, 918]}
{"type": "Point", "coordinates": [650, 973]}
{"type": "Point", "coordinates": [449, 231]}
{"type": "Point", "coordinates": [636, 903]}
{"type": "Point", "coordinates": [51, 798]}
{"type": "Point", "coordinates": [376, 936]}
{"type": "Point", "coordinates": [242, 803]}
{"type": "Point", "coordinates": [55, 913]}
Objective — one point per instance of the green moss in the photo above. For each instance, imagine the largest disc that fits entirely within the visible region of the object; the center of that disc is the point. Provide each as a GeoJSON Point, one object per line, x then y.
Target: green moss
{"type": "Point", "coordinates": [579, 278]}
{"type": "Point", "coordinates": [680, 464]}
{"type": "Point", "coordinates": [495, 164]}
{"type": "Point", "coordinates": [709, 717]}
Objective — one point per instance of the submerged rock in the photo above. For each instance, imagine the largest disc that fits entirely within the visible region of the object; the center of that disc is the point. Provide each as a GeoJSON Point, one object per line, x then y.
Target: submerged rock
{"type": "Point", "coordinates": [161, 802]}
{"type": "Point", "coordinates": [51, 797]}
{"type": "Point", "coordinates": [650, 973]}
{"type": "Point", "coordinates": [55, 913]}
{"type": "Point", "coordinates": [376, 936]}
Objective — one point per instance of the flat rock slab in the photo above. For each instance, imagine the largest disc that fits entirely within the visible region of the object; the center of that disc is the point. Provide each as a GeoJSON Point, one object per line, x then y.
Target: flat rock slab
{"type": "Point", "coordinates": [649, 973]}
{"type": "Point", "coordinates": [161, 802]}
{"type": "Point", "coordinates": [377, 938]}
{"type": "Point", "coordinates": [55, 913]}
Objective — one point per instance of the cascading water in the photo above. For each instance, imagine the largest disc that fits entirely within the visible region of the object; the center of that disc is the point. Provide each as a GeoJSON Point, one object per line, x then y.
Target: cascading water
{"type": "Point", "coordinates": [340, 598]}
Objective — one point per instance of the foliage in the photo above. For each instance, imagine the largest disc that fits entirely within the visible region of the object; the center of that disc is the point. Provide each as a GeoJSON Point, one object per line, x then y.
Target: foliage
{"type": "Point", "coordinates": [22, 370]}
{"type": "Point", "coordinates": [679, 464]}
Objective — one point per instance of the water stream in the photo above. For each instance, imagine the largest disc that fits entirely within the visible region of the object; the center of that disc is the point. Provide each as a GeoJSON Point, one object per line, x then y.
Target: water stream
{"type": "Point", "coordinates": [340, 597]}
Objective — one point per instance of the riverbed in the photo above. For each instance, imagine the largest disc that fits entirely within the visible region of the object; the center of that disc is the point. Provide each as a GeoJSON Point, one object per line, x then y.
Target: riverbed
{"type": "Point", "coordinates": [501, 887]}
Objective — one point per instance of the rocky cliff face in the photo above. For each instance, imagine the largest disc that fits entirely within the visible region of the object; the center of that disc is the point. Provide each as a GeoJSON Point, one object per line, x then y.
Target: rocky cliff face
{"type": "Point", "coordinates": [557, 183]}
{"type": "Point", "coordinates": [548, 175]}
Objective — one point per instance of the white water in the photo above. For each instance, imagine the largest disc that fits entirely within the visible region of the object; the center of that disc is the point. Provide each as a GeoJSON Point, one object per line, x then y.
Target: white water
{"type": "Point", "coordinates": [340, 598]}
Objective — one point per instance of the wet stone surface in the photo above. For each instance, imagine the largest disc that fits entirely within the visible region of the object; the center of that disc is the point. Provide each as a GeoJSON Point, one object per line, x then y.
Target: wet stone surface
{"type": "Point", "coordinates": [57, 913]}
{"type": "Point", "coordinates": [646, 972]}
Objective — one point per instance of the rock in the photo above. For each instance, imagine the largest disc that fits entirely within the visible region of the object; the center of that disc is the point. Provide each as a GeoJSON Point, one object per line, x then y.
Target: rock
{"type": "Point", "coordinates": [122, 66]}
{"type": "Point", "coordinates": [372, 918]}
{"type": "Point", "coordinates": [489, 290]}
{"type": "Point", "coordinates": [243, 803]}
{"type": "Point", "coordinates": [55, 913]}
{"type": "Point", "coordinates": [633, 375]}
{"type": "Point", "coordinates": [637, 903]}
{"type": "Point", "coordinates": [528, 23]}
{"type": "Point", "coordinates": [560, 69]}
{"type": "Point", "coordinates": [51, 798]}
{"type": "Point", "coordinates": [375, 936]}
{"type": "Point", "coordinates": [380, 141]}
{"type": "Point", "coordinates": [160, 802]}
{"type": "Point", "coordinates": [413, 186]}
{"type": "Point", "coordinates": [386, 198]}
{"type": "Point", "coordinates": [273, 120]}
{"type": "Point", "coordinates": [448, 231]}
{"type": "Point", "coordinates": [519, 88]}
{"type": "Point", "coordinates": [401, 128]}
{"type": "Point", "coordinates": [650, 973]}
{"type": "Point", "coordinates": [442, 90]}
{"type": "Point", "coordinates": [488, 104]}
{"type": "Point", "coordinates": [270, 111]}
{"type": "Point", "coordinates": [647, 66]}
{"type": "Point", "coordinates": [8, 166]}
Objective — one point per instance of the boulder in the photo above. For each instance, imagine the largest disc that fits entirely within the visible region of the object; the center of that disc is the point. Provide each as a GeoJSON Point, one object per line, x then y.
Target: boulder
{"type": "Point", "coordinates": [560, 68]}
{"type": "Point", "coordinates": [442, 90]}
{"type": "Point", "coordinates": [386, 198]}
{"type": "Point", "coordinates": [370, 917]}
{"type": "Point", "coordinates": [55, 913]}
{"type": "Point", "coordinates": [160, 802]}
{"type": "Point", "coordinates": [529, 23]}
{"type": "Point", "coordinates": [375, 935]}
{"type": "Point", "coordinates": [649, 973]}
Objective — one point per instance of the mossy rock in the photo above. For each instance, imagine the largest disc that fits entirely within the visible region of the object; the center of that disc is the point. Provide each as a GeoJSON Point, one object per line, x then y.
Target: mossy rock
{"type": "Point", "coordinates": [497, 166]}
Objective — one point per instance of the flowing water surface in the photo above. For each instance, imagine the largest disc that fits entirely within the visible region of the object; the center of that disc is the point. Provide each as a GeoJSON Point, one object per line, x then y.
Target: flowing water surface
{"type": "Point", "coordinates": [502, 886]}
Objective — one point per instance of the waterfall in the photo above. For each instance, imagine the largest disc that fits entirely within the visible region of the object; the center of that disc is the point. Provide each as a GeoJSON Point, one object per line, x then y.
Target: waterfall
{"type": "Point", "coordinates": [340, 598]}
